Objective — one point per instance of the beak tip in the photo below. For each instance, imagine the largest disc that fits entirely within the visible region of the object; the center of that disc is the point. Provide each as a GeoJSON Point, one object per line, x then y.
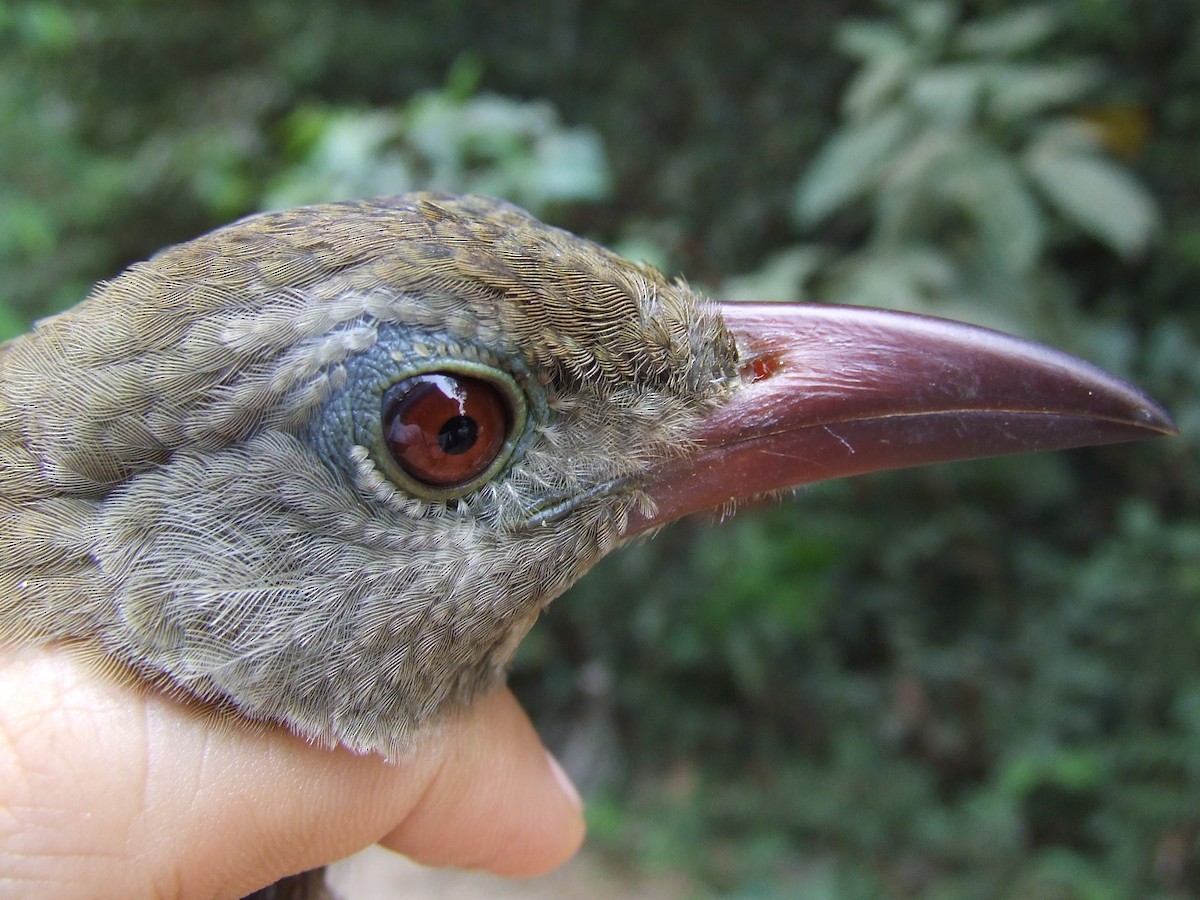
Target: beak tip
{"type": "Point", "coordinates": [1158, 420]}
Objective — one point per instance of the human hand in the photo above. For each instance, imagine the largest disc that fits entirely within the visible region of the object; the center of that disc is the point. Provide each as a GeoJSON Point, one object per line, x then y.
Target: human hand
{"type": "Point", "coordinates": [109, 787]}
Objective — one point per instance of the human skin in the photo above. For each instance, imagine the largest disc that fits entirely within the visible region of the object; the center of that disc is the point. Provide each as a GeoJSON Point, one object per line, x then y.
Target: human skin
{"type": "Point", "coordinates": [104, 783]}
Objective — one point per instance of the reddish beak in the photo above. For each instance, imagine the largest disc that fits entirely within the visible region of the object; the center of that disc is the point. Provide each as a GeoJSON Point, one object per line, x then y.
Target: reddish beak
{"type": "Point", "coordinates": [832, 391]}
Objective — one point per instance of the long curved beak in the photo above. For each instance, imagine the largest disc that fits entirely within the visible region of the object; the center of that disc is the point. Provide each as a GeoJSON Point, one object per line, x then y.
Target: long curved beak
{"type": "Point", "coordinates": [832, 391]}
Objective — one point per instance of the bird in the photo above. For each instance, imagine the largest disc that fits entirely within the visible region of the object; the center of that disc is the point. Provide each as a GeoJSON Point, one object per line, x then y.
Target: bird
{"type": "Point", "coordinates": [325, 467]}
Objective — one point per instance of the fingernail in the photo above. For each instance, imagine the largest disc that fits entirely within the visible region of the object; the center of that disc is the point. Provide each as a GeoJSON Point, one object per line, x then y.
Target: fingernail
{"type": "Point", "coordinates": [564, 781]}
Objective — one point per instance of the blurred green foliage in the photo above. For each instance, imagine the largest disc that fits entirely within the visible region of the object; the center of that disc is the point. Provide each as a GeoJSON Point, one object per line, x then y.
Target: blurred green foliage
{"type": "Point", "coordinates": [451, 139]}
{"type": "Point", "coordinates": [972, 160]}
{"type": "Point", "coordinates": [977, 680]}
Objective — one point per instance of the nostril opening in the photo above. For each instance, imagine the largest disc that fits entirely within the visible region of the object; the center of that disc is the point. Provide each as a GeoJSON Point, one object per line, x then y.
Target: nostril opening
{"type": "Point", "coordinates": [760, 368]}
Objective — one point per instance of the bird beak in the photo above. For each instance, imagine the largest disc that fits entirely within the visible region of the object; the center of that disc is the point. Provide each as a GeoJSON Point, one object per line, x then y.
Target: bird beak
{"type": "Point", "coordinates": [830, 391]}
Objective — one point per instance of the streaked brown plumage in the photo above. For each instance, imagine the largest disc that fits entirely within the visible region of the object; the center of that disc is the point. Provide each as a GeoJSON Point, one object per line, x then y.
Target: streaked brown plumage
{"type": "Point", "coordinates": [157, 497]}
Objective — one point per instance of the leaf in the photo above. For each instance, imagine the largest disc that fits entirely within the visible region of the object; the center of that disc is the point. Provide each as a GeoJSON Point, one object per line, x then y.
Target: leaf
{"type": "Point", "coordinates": [781, 278]}
{"type": "Point", "coordinates": [47, 26]}
{"type": "Point", "coordinates": [987, 186]}
{"type": "Point", "coordinates": [1064, 137]}
{"type": "Point", "coordinates": [902, 201]}
{"type": "Point", "coordinates": [1009, 33]}
{"type": "Point", "coordinates": [849, 164]}
{"type": "Point", "coordinates": [874, 86]}
{"type": "Point", "coordinates": [1100, 197]}
{"type": "Point", "coordinates": [930, 20]}
{"type": "Point", "coordinates": [905, 277]}
{"type": "Point", "coordinates": [26, 227]}
{"type": "Point", "coordinates": [1020, 91]}
{"type": "Point", "coordinates": [949, 94]}
{"type": "Point", "coordinates": [567, 164]}
{"type": "Point", "coordinates": [950, 176]}
{"type": "Point", "coordinates": [871, 41]}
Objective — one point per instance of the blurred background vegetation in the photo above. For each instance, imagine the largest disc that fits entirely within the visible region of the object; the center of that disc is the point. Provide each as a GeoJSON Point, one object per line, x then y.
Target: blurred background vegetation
{"type": "Point", "coordinates": [976, 680]}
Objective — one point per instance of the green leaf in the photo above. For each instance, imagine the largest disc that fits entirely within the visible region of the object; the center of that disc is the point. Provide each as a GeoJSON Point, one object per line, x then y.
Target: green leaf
{"type": "Point", "coordinates": [1072, 768]}
{"type": "Point", "coordinates": [1020, 91]}
{"type": "Point", "coordinates": [871, 41]}
{"type": "Point", "coordinates": [1058, 871]}
{"type": "Point", "coordinates": [905, 278]}
{"type": "Point", "coordinates": [874, 86]}
{"type": "Point", "coordinates": [902, 200]}
{"type": "Point", "coordinates": [987, 186]}
{"type": "Point", "coordinates": [781, 278]}
{"type": "Point", "coordinates": [950, 177]}
{"type": "Point", "coordinates": [47, 26]}
{"type": "Point", "coordinates": [1064, 137]}
{"type": "Point", "coordinates": [930, 20]}
{"type": "Point", "coordinates": [1100, 197]}
{"type": "Point", "coordinates": [949, 94]}
{"type": "Point", "coordinates": [26, 227]}
{"type": "Point", "coordinates": [487, 144]}
{"type": "Point", "coordinates": [849, 165]}
{"type": "Point", "coordinates": [570, 165]}
{"type": "Point", "coordinates": [1009, 33]}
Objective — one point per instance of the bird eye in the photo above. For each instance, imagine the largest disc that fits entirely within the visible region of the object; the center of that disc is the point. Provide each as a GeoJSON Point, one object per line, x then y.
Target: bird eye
{"type": "Point", "coordinates": [445, 429]}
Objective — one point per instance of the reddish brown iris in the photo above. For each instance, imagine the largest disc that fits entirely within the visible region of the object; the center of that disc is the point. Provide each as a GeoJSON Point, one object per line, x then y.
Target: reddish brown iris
{"type": "Point", "coordinates": [444, 429]}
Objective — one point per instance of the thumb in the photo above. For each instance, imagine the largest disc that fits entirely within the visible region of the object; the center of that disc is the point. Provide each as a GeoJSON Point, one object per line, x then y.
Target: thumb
{"type": "Point", "coordinates": [106, 784]}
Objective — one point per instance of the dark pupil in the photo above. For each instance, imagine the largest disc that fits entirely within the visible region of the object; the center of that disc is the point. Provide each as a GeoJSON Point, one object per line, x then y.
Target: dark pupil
{"type": "Point", "coordinates": [458, 435]}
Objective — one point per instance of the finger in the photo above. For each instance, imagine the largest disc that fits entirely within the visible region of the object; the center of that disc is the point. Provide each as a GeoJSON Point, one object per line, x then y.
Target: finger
{"type": "Point", "coordinates": [498, 802]}
{"type": "Point", "coordinates": [105, 784]}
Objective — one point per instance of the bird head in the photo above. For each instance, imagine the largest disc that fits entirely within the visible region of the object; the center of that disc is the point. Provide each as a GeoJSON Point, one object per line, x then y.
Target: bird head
{"type": "Point", "coordinates": [325, 467]}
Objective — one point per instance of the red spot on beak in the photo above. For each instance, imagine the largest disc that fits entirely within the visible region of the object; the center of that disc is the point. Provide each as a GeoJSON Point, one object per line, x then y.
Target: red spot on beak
{"type": "Point", "coordinates": [761, 368]}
